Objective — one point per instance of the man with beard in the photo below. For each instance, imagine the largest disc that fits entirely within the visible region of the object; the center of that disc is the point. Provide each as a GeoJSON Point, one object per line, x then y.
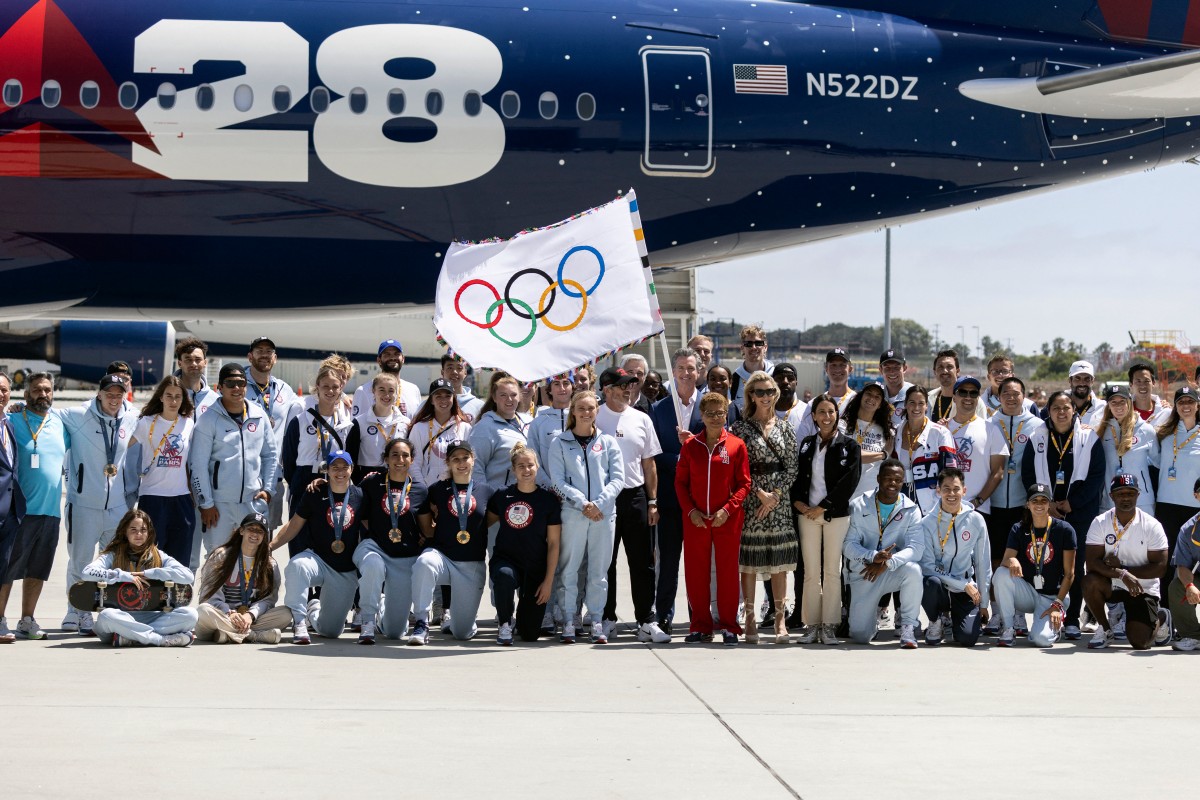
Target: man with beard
{"type": "Point", "coordinates": [276, 399]}
{"type": "Point", "coordinates": [391, 361]}
{"type": "Point", "coordinates": [1090, 408]}
{"type": "Point", "coordinates": [191, 356]}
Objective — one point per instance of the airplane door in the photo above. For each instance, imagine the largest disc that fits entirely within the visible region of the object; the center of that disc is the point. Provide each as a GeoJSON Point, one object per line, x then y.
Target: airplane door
{"type": "Point", "coordinates": [678, 111]}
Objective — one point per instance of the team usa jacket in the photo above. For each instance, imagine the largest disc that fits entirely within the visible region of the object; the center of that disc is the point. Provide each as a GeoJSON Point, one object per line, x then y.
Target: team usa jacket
{"type": "Point", "coordinates": [965, 557]}
{"type": "Point", "coordinates": [228, 462]}
{"type": "Point", "coordinates": [592, 475]}
{"type": "Point", "coordinates": [864, 538]}
{"type": "Point", "coordinates": [90, 435]}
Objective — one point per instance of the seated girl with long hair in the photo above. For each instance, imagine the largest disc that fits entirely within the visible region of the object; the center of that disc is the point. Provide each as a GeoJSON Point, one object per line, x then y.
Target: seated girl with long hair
{"type": "Point", "coordinates": [239, 589]}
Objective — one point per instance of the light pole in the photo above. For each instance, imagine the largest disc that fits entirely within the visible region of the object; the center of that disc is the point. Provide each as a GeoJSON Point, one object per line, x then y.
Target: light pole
{"type": "Point", "coordinates": [887, 289]}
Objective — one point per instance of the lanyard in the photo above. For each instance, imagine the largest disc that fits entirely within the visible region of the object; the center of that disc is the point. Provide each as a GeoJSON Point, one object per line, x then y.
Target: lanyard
{"type": "Point", "coordinates": [463, 507]}
{"type": "Point", "coordinates": [266, 398]}
{"type": "Point", "coordinates": [1039, 547]}
{"type": "Point", "coordinates": [1176, 446]}
{"type": "Point", "coordinates": [110, 441]}
{"type": "Point", "coordinates": [515, 423]}
{"type": "Point", "coordinates": [1120, 532]}
{"type": "Point", "coordinates": [1061, 450]}
{"type": "Point", "coordinates": [943, 408]}
{"type": "Point", "coordinates": [246, 586]}
{"type": "Point", "coordinates": [883, 523]}
{"type": "Point", "coordinates": [949, 531]}
{"type": "Point", "coordinates": [914, 440]}
{"type": "Point", "coordinates": [394, 509]}
{"type": "Point", "coordinates": [391, 430]}
{"type": "Point", "coordinates": [963, 425]}
{"type": "Point", "coordinates": [337, 514]}
{"type": "Point", "coordinates": [1117, 446]}
{"type": "Point", "coordinates": [1010, 435]}
{"type": "Point", "coordinates": [32, 433]}
{"type": "Point", "coordinates": [158, 449]}
{"type": "Point", "coordinates": [324, 442]}
{"type": "Point", "coordinates": [433, 437]}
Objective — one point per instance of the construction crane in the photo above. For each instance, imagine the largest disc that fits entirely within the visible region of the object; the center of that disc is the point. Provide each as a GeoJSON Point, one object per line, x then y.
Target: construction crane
{"type": "Point", "coordinates": [1169, 351]}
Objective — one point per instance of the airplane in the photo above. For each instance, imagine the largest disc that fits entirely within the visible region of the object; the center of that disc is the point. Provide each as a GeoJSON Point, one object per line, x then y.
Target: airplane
{"type": "Point", "coordinates": [294, 160]}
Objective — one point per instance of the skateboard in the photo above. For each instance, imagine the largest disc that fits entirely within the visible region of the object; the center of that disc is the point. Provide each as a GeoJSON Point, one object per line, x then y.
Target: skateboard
{"type": "Point", "coordinates": [159, 596]}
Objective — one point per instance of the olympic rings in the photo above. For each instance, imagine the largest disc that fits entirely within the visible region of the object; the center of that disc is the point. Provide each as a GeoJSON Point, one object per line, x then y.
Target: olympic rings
{"type": "Point", "coordinates": [578, 319]}
{"type": "Point", "coordinates": [520, 308]}
{"type": "Point", "coordinates": [463, 288]}
{"type": "Point", "coordinates": [491, 326]}
{"type": "Point", "coordinates": [508, 301]}
{"type": "Point", "coordinates": [562, 263]}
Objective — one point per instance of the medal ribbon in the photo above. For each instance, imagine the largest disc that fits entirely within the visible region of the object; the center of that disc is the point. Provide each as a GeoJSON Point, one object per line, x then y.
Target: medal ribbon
{"type": "Point", "coordinates": [433, 437]}
{"type": "Point", "coordinates": [463, 509]}
{"type": "Point", "coordinates": [336, 514]}
{"type": "Point", "coordinates": [379, 425]}
{"type": "Point", "coordinates": [158, 449]}
{"type": "Point", "coordinates": [110, 442]}
{"type": "Point", "coordinates": [394, 509]}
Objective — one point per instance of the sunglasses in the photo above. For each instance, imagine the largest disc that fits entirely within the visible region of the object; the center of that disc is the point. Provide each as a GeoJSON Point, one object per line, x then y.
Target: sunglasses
{"type": "Point", "coordinates": [233, 384]}
{"type": "Point", "coordinates": [965, 393]}
{"type": "Point", "coordinates": [754, 343]}
{"type": "Point", "coordinates": [764, 392]}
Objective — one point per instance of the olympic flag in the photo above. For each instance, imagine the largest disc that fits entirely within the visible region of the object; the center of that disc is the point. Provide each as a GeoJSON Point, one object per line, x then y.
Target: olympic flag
{"type": "Point", "coordinates": [551, 299]}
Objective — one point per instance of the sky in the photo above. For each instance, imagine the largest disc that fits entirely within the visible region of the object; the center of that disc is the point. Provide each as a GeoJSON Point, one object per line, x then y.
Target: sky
{"type": "Point", "coordinates": [1124, 248]}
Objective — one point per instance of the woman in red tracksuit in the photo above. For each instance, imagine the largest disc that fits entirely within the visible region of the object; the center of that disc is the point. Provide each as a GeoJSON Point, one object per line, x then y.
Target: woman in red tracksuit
{"type": "Point", "coordinates": [711, 481]}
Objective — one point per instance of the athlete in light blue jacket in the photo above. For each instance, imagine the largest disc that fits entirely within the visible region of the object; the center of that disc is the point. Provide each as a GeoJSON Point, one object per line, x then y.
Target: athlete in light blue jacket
{"type": "Point", "coordinates": [232, 461]}
{"type": "Point", "coordinates": [587, 470]}
{"type": "Point", "coordinates": [884, 547]}
{"type": "Point", "coordinates": [956, 564]}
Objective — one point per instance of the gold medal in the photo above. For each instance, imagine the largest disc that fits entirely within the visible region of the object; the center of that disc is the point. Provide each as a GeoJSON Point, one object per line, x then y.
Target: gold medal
{"type": "Point", "coordinates": [395, 534]}
{"type": "Point", "coordinates": [463, 537]}
{"type": "Point", "coordinates": [337, 546]}
{"type": "Point", "coordinates": [110, 470]}
{"type": "Point", "coordinates": [243, 609]}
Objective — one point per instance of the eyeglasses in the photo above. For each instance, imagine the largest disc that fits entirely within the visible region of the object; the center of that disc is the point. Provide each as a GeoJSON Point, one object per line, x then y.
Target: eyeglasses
{"type": "Point", "coordinates": [715, 414]}
{"type": "Point", "coordinates": [233, 384]}
{"type": "Point", "coordinates": [764, 392]}
{"type": "Point", "coordinates": [965, 393]}
{"type": "Point", "coordinates": [754, 343]}
{"type": "Point", "coordinates": [1000, 372]}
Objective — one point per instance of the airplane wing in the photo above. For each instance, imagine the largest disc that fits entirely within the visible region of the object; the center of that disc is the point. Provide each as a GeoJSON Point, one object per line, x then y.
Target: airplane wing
{"type": "Point", "coordinates": [1163, 86]}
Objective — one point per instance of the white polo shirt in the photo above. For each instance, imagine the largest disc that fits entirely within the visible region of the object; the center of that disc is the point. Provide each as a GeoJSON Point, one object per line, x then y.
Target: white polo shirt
{"type": "Point", "coordinates": [634, 432]}
{"type": "Point", "coordinates": [1132, 545]}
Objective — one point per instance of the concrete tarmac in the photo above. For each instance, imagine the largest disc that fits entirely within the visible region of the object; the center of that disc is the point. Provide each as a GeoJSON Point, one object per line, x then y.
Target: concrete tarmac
{"type": "Point", "coordinates": [465, 719]}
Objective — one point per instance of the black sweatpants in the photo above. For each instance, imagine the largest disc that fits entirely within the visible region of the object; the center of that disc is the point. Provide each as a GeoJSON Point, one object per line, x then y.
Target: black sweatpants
{"type": "Point", "coordinates": [509, 579]}
{"type": "Point", "coordinates": [964, 614]}
{"type": "Point", "coordinates": [633, 529]}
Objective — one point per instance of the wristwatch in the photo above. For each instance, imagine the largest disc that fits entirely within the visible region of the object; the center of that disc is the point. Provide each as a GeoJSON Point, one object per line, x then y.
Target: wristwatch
{"type": "Point", "coordinates": [652, 501]}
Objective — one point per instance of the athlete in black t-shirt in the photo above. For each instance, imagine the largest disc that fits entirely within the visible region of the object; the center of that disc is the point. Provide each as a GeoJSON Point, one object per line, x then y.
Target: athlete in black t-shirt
{"type": "Point", "coordinates": [331, 520]}
{"type": "Point", "coordinates": [1035, 572]}
{"type": "Point", "coordinates": [526, 552]}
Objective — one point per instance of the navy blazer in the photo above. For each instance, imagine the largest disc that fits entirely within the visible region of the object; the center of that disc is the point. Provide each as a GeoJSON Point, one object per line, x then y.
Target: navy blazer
{"type": "Point", "coordinates": [843, 468]}
{"type": "Point", "coordinates": [662, 413]}
{"type": "Point", "coordinates": [12, 501]}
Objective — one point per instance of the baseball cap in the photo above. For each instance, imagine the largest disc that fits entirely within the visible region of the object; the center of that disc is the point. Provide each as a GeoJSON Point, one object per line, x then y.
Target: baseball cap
{"type": "Point", "coordinates": [1039, 490]}
{"type": "Point", "coordinates": [440, 384]}
{"type": "Point", "coordinates": [341, 455]}
{"type": "Point", "coordinates": [569, 375]}
{"type": "Point", "coordinates": [615, 376]}
{"type": "Point", "coordinates": [1122, 480]}
{"type": "Point", "coordinates": [786, 367]}
{"type": "Point", "coordinates": [965, 379]}
{"type": "Point", "coordinates": [459, 444]}
{"type": "Point", "coordinates": [255, 518]}
{"type": "Point", "coordinates": [109, 381]}
{"type": "Point", "coordinates": [835, 354]}
{"type": "Point", "coordinates": [386, 343]}
{"type": "Point", "coordinates": [1185, 391]}
{"type": "Point", "coordinates": [1117, 391]}
{"type": "Point", "coordinates": [118, 366]}
{"type": "Point", "coordinates": [262, 340]}
{"type": "Point", "coordinates": [1081, 368]}
{"type": "Point", "coordinates": [891, 355]}
{"type": "Point", "coordinates": [231, 371]}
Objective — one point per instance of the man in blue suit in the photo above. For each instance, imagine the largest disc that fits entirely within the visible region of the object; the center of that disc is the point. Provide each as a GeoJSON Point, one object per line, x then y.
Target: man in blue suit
{"type": "Point", "coordinates": [12, 502]}
{"type": "Point", "coordinates": [685, 370]}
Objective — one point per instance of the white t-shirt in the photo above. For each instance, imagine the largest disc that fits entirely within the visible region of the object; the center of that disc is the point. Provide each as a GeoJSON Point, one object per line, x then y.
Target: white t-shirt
{"type": "Point", "coordinates": [374, 433]}
{"type": "Point", "coordinates": [1144, 534]}
{"type": "Point", "coordinates": [164, 451]}
{"type": "Point", "coordinates": [430, 439]}
{"type": "Point", "coordinates": [408, 399]}
{"type": "Point", "coordinates": [808, 427]}
{"type": "Point", "coordinates": [870, 440]}
{"type": "Point", "coordinates": [634, 432]}
{"type": "Point", "coordinates": [897, 401]}
{"type": "Point", "coordinates": [794, 416]}
{"type": "Point", "coordinates": [976, 442]}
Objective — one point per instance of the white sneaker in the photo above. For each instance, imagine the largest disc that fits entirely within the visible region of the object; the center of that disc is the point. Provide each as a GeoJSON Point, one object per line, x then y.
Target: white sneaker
{"type": "Point", "coordinates": [908, 639]}
{"type": "Point", "coordinates": [221, 637]}
{"type": "Point", "coordinates": [314, 611]}
{"type": "Point", "coordinates": [1100, 639]}
{"type": "Point", "coordinates": [5, 633]}
{"type": "Point", "coordinates": [1006, 637]}
{"type": "Point", "coordinates": [598, 634]}
{"type": "Point", "coordinates": [272, 636]}
{"type": "Point", "coordinates": [1116, 619]}
{"type": "Point", "coordinates": [300, 633]}
{"type": "Point", "coordinates": [935, 632]}
{"type": "Point", "coordinates": [809, 634]}
{"type": "Point", "coordinates": [1072, 632]}
{"type": "Point", "coordinates": [70, 621]}
{"type": "Point", "coordinates": [1162, 633]}
{"type": "Point", "coordinates": [182, 639]}
{"type": "Point", "coordinates": [829, 635]}
{"type": "Point", "coordinates": [86, 624]}
{"type": "Point", "coordinates": [885, 616]}
{"type": "Point", "coordinates": [366, 632]}
{"type": "Point", "coordinates": [356, 621]}
{"type": "Point", "coordinates": [1186, 644]}
{"type": "Point", "coordinates": [610, 629]}
{"type": "Point", "coordinates": [992, 628]}
{"type": "Point", "coordinates": [28, 628]}
{"type": "Point", "coordinates": [419, 635]}
{"type": "Point", "coordinates": [504, 636]}
{"type": "Point", "coordinates": [1020, 626]}
{"type": "Point", "coordinates": [650, 632]}
{"type": "Point", "coordinates": [446, 621]}
{"type": "Point", "coordinates": [568, 633]}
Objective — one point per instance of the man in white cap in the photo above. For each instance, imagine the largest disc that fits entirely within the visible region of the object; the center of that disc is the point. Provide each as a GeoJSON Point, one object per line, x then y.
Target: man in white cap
{"type": "Point", "coordinates": [1090, 408]}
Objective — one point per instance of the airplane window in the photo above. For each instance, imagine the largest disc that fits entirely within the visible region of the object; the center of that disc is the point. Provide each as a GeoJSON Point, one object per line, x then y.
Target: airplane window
{"type": "Point", "coordinates": [127, 95]}
{"type": "Point", "coordinates": [548, 105]}
{"type": "Point", "coordinates": [319, 100]}
{"type": "Point", "coordinates": [358, 100]}
{"type": "Point", "coordinates": [472, 104]}
{"type": "Point", "coordinates": [51, 93]}
{"type": "Point", "coordinates": [166, 95]}
{"type": "Point", "coordinates": [89, 94]}
{"type": "Point", "coordinates": [243, 98]}
{"type": "Point", "coordinates": [205, 97]}
{"type": "Point", "coordinates": [282, 99]}
{"type": "Point", "coordinates": [395, 102]}
{"type": "Point", "coordinates": [510, 104]}
{"type": "Point", "coordinates": [12, 92]}
{"type": "Point", "coordinates": [585, 106]}
{"type": "Point", "coordinates": [433, 102]}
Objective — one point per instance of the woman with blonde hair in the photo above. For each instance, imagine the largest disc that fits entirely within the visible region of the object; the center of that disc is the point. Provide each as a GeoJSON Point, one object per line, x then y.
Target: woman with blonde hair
{"type": "Point", "coordinates": [769, 546]}
{"type": "Point", "coordinates": [1130, 446]}
{"type": "Point", "coordinates": [132, 557]}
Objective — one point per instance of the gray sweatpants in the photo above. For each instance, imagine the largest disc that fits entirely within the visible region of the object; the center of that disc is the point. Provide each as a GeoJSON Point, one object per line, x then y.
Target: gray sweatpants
{"type": "Point", "coordinates": [582, 537]}
{"type": "Point", "coordinates": [144, 627]}
{"type": "Point", "coordinates": [1017, 595]}
{"type": "Point", "coordinates": [379, 571]}
{"type": "Point", "coordinates": [865, 596]}
{"type": "Point", "coordinates": [307, 569]}
{"type": "Point", "coordinates": [87, 530]}
{"type": "Point", "coordinates": [465, 579]}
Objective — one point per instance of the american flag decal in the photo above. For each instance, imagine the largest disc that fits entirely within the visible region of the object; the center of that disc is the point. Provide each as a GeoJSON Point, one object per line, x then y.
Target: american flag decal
{"type": "Point", "coordinates": [760, 79]}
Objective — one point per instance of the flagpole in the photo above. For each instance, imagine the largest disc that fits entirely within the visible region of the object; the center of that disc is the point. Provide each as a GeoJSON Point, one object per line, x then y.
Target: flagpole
{"type": "Point", "coordinates": [675, 403]}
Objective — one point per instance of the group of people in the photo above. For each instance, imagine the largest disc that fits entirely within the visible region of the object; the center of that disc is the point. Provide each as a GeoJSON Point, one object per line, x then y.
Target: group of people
{"type": "Point", "coordinates": [965, 501]}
